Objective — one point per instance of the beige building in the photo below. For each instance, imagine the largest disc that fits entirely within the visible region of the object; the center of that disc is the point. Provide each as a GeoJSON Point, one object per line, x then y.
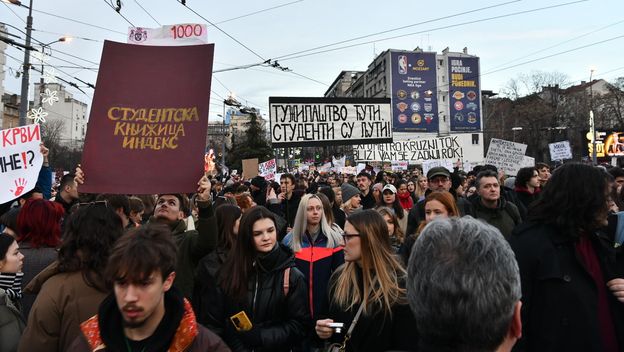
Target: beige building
{"type": "Point", "coordinates": [68, 114]}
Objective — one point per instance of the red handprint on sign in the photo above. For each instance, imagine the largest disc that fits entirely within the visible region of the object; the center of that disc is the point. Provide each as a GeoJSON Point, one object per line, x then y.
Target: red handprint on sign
{"type": "Point", "coordinates": [20, 183]}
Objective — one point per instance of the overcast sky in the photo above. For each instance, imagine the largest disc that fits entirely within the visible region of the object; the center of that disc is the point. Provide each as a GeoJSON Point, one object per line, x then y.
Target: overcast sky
{"type": "Point", "coordinates": [570, 38]}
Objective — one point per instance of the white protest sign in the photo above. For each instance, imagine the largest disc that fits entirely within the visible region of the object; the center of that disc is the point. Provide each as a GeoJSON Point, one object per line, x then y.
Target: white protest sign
{"type": "Point", "coordinates": [349, 170]}
{"type": "Point", "coordinates": [528, 161]}
{"type": "Point", "coordinates": [506, 155]}
{"type": "Point", "coordinates": [560, 150]}
{"type": "Point", "coordinates": [340, 162]}
{"type": "Point", "coordinates": [412, 151]}
{"type": "Point", "coordinates": [325, 167]}
{"type": "Point", "coordinates": [312, 121]}
{"type": "Point", "coordinates": [360, 167]}
{"type": "Point", "coordinates": [399, 165]}
{"type": "Point", "coordinates": [430, 164]}
{"type": "Point", "coordinates": [20, 161]}
{"type": "Point", "coordinates": [267, 169]}
{"type": "Point", "coordinates": [170, 35]}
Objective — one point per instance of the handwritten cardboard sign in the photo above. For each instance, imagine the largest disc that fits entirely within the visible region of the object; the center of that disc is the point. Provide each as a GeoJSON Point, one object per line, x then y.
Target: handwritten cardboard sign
{"type": "Point", "coordinates": [20, 161]}
{"type": "Point", "coordinates": [250, 168]}
{"type": "Point", "coordinates": [560, 150]}
{"type": "Point", "coordinates": [267, 169]}
{"type": "Point", "coordinates": [310, 121]}
{"type": "Point", "coordinates": [506, 155]}
{"type": "Point", "coordinates": [147, 127]}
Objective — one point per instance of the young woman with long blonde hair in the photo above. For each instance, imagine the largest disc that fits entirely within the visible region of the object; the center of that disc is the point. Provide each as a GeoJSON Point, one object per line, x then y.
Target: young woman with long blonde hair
{"type": "Point", "coordinates": [368, 291]}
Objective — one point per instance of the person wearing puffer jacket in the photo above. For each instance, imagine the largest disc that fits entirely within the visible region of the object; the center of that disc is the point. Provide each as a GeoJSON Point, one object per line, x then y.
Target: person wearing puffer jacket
{"type": "Point", "coordinates": [260, 297]}
{"type": "Point", "coordinates": [11, 322]}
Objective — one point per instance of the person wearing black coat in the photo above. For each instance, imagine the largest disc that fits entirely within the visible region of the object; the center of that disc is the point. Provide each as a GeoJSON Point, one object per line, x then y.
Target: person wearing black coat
{"type": "Point", "coordinates": [260, 279]}
{"type": "Point", "coordinates": [386, 322]}
{"type": "Point", "coordinates": [567, 267]}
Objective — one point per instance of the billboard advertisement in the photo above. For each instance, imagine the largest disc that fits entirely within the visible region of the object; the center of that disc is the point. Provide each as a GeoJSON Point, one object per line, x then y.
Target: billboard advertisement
{"type": "Point", "coordinates": [464, 94]}
{"type": "Point", "coordinates": [608, 144]}
{"type": "Point", "coordinates": [414, 91]}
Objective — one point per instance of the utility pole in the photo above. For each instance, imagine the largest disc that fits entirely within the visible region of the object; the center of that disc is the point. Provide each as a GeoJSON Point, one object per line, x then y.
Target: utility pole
{"type": "Point", "coordinates": [592, 121]}
{"type": "Point", "coordinates": [23, 108]}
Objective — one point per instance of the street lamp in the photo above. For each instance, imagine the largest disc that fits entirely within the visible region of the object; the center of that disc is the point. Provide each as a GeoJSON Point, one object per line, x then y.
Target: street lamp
{"type": "Point", "coordinates": [514, 129]}
{"type": "Point", "coordinates": [41, 80]}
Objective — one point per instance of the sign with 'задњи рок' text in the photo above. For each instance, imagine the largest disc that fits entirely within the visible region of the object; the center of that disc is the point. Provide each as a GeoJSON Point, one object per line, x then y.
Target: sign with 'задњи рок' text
{"type": "Point", "coordinates": [299, 121]}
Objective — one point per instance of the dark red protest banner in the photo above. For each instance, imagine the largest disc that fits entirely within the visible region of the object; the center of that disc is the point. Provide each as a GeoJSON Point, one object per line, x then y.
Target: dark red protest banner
{"type": "Point", "coordinates": [147, 127]}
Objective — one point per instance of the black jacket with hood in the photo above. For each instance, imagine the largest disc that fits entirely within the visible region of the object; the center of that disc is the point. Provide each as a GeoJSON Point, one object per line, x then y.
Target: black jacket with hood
{"type": "Point", "coordinates": [280, 321]}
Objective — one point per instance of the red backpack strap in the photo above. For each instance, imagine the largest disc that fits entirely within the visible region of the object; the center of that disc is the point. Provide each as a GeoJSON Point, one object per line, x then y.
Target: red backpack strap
{"type": "Point", "coordinates": [286, 281]}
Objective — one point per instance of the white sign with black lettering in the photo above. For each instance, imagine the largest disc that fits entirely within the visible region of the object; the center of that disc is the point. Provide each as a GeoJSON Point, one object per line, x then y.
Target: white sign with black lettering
{"type": "Point", "coordinates": [412, 151]}
{"type": "Point", "coordinates": [506, 155]}
{"type": "Point", "coordinates": [430, 164]}
{"type": "Point", "coordinates": [560, 150]}
{"type": "Point", "coordinates": [330, 121]}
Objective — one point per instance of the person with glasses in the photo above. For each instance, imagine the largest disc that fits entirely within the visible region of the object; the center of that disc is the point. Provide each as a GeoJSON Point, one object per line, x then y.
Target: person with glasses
{"type": "Point", "coordinates": [438, 179]}
{"type": "Point", "coordinates": [369, 286]}
{"type": "Point", "coordinates": [70, 290]}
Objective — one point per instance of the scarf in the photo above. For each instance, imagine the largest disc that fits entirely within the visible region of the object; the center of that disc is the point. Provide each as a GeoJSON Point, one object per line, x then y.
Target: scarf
{"type": "Point", "coordinates": [11, 283]}
{"type": "Point", "coordinates": [406, 200]}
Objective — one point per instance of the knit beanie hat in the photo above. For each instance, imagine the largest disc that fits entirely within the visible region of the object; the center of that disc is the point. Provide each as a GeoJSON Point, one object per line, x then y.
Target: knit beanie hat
{"type": "Point", "coordinates": [348, 191]}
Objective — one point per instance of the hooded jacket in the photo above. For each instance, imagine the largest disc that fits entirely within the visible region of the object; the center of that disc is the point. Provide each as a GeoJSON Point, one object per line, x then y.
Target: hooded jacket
{"type": "Point", "coordinates": [280, 322]}
{"type": "Point", "coordinates": [11, 323]}
{"type": "Point", "coordinates": [317, 262]}
{"type": "Point", "coordinates": [178, 330]}
{"type": "Point", "coordinates": [63, 301]}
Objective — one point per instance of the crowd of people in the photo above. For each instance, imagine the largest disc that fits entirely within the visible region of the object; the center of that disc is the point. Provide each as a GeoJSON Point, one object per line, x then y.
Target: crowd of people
{"type": "Point", "coordinates": [378, 261]}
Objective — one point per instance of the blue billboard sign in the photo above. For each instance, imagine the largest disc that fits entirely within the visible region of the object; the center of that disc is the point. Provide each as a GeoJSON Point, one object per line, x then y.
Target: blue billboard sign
{"type": "Point", "coordinates": [414, 91]}
{"type": "Point", "coordinates": [464, 94]}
